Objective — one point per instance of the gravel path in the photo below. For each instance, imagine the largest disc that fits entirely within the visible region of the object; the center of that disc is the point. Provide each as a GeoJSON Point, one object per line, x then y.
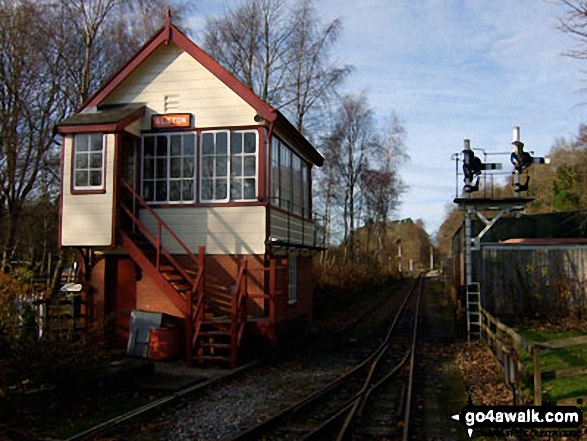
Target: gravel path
{"type": "Point", "coordinates": [225, 411]}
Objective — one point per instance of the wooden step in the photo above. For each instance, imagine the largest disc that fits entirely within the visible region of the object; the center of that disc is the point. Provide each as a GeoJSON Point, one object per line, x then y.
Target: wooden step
{"type": "Point", "coordinates": [213, 345]}
{"type": "Point", "coordinates": [214, 334]}
{"type": "Point", "coordinates": [212, 358]}
{"type": "Point", "coordinates": [172, 277]}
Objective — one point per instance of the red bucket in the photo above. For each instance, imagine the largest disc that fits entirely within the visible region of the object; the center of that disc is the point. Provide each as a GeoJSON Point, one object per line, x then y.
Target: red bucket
{"type": "Point", "coordinates": [164, 344]}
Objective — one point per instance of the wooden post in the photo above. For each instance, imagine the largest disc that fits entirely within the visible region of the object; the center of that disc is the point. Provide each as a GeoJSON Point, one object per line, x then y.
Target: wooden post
{"type": "Point", "coordinates": [516, 374]}
{"type": "Point", "coordinates": [537, 376]}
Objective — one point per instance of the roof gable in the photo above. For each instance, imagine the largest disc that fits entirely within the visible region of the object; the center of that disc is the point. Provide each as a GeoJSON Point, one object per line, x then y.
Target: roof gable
{"type": "Point", "coordinates": [171, 34]}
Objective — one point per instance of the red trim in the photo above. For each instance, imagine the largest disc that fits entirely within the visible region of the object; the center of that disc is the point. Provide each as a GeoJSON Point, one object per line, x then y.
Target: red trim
{"type": "Point", "coordinates": [93, 128]}
{"type": "Point", "coordinates": [269, 188]}
{"type": "Point", "coordinates": [106, 128]}
{"type": "Point", "coordinates": [261, 170]}
{"type": "Point", "coordinates": [170, 33]}
{"type": "Point", "coordinates": [267, 112]}
{"type": "Point", "coordinates": [62, 166]}
{"type": "Point", "coordinates": [78, 191]}
{"type": "Point", "coordinates": [199, 130]}
{"type": "Point", "coordinates": [116, 171]}
{"type": "Point", "coordinates": [212, 204]}
{"type": "Point", "coordinates": [83, 192]}
{"type": "Point", "coordinates": [126, 69]}
{"type": "Point", "coordinates": [123, 123]}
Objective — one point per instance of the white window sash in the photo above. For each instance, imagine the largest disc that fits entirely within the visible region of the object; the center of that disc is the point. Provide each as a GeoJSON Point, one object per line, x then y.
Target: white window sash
{"type": "Point", "coordinates": [154, 179]}
{"type": "Point", "coordinates": [87, 139]}
{"type": "Point", "coordinates": [230, 178]}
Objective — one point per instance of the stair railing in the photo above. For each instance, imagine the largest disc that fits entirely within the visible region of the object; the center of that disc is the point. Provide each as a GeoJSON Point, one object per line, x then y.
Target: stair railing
{"type": "Point", "coordinates": [238, 312]}
{"type": "Point", "coordinates": [156, 240]}
{"type": "Point", "coordinates": [195, 297]}
{"type": "Point", "coordinates": [196, 312]}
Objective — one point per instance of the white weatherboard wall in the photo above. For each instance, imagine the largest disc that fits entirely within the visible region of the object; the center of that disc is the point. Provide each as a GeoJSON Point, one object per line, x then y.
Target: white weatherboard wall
{"type": "Point", "coordinates": [189, 87]}
{"type": "Point", "coordinates": [222, 230]}
{"type": "Point", "coordinates": [86, 219]}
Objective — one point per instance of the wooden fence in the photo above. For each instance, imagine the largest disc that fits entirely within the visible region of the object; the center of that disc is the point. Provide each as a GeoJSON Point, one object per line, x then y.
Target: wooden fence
{"type": "Point", "coordinates": [513, 274]}
{"type": "Point", "coordinates": [505, 344]}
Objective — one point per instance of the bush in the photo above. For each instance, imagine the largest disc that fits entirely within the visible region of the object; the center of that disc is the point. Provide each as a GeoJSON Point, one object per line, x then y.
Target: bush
{"type": "Point", "coordinates": [11, 320]}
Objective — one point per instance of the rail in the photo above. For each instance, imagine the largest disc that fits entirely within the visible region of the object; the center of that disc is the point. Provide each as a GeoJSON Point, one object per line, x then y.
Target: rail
{"type": "Point", "coordinates": [337, 419]}
{"type": "Point", "coordinates": [238, 316]}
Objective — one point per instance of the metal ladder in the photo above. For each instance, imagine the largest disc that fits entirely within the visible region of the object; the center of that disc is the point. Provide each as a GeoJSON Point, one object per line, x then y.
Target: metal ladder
{"type": "Point", "coordinates": [473, 310]}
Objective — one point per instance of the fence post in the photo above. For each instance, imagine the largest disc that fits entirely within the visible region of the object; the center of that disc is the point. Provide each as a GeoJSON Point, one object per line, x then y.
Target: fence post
{"type": "Point", "coordinates": [537, 376]}
{"type": "Point", "coordinates": [516, 373]}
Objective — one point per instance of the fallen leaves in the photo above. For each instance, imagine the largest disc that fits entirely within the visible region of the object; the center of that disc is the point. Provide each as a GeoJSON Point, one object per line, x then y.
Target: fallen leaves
{"type": "Point", "coordinates": [483, 376]}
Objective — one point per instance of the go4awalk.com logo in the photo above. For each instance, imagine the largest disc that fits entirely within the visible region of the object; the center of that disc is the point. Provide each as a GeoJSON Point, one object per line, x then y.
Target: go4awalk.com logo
{"type": "Point", "coordinates": [519, 417]}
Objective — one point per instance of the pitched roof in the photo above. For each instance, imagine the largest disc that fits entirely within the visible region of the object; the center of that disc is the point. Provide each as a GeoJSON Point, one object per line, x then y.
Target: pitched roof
{"type": "Point", "coordinates": [108, 116]}
{"type": "Point", "coordinates": [169, 33]}
{"type": "Point", "coordinates": [106, 120]}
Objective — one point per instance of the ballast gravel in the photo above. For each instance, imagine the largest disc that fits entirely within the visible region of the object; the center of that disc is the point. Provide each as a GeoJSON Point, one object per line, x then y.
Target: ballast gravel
{"type": "Point", "coordinates": [224, 412]}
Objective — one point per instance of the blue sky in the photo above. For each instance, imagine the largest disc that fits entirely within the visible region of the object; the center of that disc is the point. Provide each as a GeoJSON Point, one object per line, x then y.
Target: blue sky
{"type": "Point", "coordinates": [455, 70]}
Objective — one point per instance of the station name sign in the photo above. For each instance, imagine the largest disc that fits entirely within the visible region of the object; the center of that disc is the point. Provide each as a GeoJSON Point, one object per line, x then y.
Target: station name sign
{"type": "Point", "coordinates": [171, 120]}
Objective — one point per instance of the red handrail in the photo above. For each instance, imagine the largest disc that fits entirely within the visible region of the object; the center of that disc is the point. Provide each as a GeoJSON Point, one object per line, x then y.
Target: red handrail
{"type": "Point", "coordinates": [160, 223]}
{"type": "Point", "coordinates": [238, 312]}
{"type": "Point", "coordinates": [195, 313]}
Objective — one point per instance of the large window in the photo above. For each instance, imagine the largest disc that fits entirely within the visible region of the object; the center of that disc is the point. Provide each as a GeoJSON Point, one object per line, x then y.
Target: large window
{"type": "Point", "coordinates": [169, 168]}
{"type": "Point", "coordinates": [228, 166]}
{"type": "Point", "coordinates": [286, 178]}
{"type": "Point", "coordinates": [88, 161]}
{"type": "Point", "coordinates": [290, 187]}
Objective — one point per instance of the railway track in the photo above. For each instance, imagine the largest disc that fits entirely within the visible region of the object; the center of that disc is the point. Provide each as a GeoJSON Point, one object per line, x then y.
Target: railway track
{"type": "Point", "coordinates": [345, 404]}
{"type": "Point", "coordinates": [337, 409]}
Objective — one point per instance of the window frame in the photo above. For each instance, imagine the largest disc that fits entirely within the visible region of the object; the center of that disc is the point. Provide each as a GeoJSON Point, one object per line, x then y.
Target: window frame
{"type": "Point", "coordinates": [168, 179]}
{"type": "Point", "coordinates": [88, 189]}
{"type": "Point", "coordinates": [229, 165]}
{"type": "Point", "coordinates": [284, 182]}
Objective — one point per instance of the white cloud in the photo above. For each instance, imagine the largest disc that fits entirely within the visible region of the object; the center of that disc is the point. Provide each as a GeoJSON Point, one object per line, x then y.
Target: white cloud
{"type": "Point", "coordinates": [456, 69]}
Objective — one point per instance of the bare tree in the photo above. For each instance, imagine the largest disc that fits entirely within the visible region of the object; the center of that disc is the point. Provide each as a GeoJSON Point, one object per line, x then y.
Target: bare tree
{"type": "Point", "coordinates": [574, 22]}
{"type": "Point", "coordinates": [86, 18]}
{"type": "Point", "coordinates": [280, 54]}
{"type": "Point", "coordinates": [29, 106]}
{"type": "Point", "coordinates": [251, 42]}
{"type": "Point", "coordinates": [312, 77]}
{"type": "Point", "coordinates": [355, 139]}
{"type": "Point", "coordinates": [53, 55]}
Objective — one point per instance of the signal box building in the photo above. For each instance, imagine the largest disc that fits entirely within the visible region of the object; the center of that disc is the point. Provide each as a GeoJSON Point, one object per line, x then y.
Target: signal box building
{"type": "Point", "coordinates": [188, 195]}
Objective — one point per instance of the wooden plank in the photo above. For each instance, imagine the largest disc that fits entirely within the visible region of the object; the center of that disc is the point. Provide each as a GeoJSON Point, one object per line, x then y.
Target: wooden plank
{"type": "Point", "coordinates": [573, 401]}
{"type": "Point", "coordinates": [563, 343]}
{"type": "Point", "coordinates": [569, 372]}
{"type": "Point", "coordinates": [518, 339]}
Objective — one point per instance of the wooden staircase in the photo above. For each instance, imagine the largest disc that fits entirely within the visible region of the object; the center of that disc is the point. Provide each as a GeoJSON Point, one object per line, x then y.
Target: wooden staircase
{"type": "Point", "coordinates": [212, 334]}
